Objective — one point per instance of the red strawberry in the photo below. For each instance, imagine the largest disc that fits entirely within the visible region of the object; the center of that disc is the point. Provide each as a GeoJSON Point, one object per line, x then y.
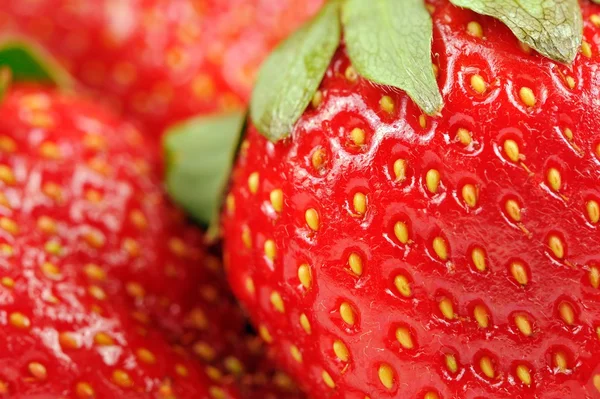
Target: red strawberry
{"type": "Point", "coordinates": [386, 253]}
{"type": "Point", "coordinates": [97, 267]}
{"type": "Point", "coordinates": [160, 61]}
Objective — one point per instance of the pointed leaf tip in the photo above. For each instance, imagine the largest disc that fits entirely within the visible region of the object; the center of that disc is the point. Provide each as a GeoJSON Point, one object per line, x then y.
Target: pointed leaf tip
{"type": "Point", "coordinates": [291, 75]}
{"type": "Point", "coordinates": [199, 156]}
{"type": "Point", "coordinates": [552, 27]}
{"type": "Point", "coordinates": [391, 45]}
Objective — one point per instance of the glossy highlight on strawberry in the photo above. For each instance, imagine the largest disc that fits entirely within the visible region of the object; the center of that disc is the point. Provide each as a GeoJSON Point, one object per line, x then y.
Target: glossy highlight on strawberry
{"type": "Point", "coordinates": [385, 253]}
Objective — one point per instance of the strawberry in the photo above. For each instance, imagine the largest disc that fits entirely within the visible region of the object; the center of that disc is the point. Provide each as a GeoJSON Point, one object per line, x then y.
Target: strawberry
{"type": "Point", "coordinates": [160, 61]}
{"type": "Point", "coordinates": [438, 241]}
{"type": "Point", "coordinates": [104, 282]}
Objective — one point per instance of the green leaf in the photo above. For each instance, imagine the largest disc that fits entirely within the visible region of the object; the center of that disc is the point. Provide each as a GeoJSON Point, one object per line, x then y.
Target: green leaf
{"type": "Point", "coordinates": [291, 75]}
{"type": "Point", "coordinates": [553, 27]}
{"type": "Point", "coordinates": [28, 62]}
{"type": "Point", "coordinates": [199, 156]}
{"type": "Point", "coordinates": [390, 43]}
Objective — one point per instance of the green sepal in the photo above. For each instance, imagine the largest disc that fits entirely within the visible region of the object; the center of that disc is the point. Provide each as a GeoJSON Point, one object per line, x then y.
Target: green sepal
{"type": "Point", "coordinates": [28, 62]}
{"type": "Point", "coordinates": [199, 155]}
{"type": "Point", "coordinates": [552, 27]}
{"type": "Point", "coordinates": [291, 75]}
{"type": "Point", "coordinates": [390, 44]}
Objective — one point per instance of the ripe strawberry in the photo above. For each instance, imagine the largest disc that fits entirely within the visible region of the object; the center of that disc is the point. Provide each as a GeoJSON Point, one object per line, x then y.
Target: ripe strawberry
{"type": "Point", "coordinates": [98, 268]}
{"type": "Point", "coordinates": [388, 253]}
{"type": "Point", "coordinates": [160, 61]}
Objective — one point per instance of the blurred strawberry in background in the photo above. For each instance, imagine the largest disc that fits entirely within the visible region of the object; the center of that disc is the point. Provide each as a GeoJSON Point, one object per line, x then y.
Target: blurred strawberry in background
{"type": "Point", "coordinates": [160, 61]}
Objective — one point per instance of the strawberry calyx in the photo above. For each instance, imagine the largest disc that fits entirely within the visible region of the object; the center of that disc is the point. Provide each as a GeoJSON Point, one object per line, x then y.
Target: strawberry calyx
{"type": "Point", "coordinates": [199, 155]}
{"type": "Point", "coordinates": [391, 45]}
{"type": "Point", "coordinates": [21, 60]}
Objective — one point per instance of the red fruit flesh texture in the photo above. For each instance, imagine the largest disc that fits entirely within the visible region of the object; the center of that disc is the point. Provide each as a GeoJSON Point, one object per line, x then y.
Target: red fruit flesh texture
{"type": "Point", "coordinates": [161, 61]}
{"type": "Point", "coordinates": [550, 233]}
{"type": "Point", "coordinates": [90, 245]}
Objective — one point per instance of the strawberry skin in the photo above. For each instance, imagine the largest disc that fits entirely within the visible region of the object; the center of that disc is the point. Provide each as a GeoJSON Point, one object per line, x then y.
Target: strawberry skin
{"type": "Point", "coordinates": [389, 254]}
{"type": "Point", "coordinates": [91, 246]}
{"type": "Point", "coordinates": [160, 61]}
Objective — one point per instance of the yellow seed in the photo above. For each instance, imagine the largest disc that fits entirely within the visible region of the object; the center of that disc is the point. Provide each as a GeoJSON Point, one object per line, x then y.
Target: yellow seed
{"type": "Point", "coordinates": [270, 250]}
{"type": "Point", "coordinates": [586, 49]}
{"type": "Point", "coordinates": [19, 320]}
{"type": "Point", "coordinates": [524, 374]}
{"type": "Point", "coordinates": [6, 250]}
{"type": "Point", "coordinates": [598, 332]}
{"type": "Point", "coordinates": [400, 166]}
{"type": "Point", "coordinates": [441, 248]}
{"type": "Point", "coordinates": [9, 225]}
{"type": "Point", "coordinates": [402, 285]}
{"type": "Point", "coordinates": [181, 370]}
{"type": "Point", "coordinates": [595, 19]}
{"type": "Point", "coordinates": [97, 292]}
{"type": "Point", "coordinates": [230, 203]}
{"type": "Point", "coordinates": [594, 277]}
{"type": "Point", "coordinates": [327, 379]}
{"type": "Point", "coordinates": [146, 356]}
{"type": "Point", "coordinates": [401, 232]}
{"type": "Point", "coordinates": [478, 258]}
{"type": "Point", "coordinates": [135, 289]}
{"type": "Point", "coordinates": [386, 376]}
{"type": "Point", "coordinates": [593, 211]}
{"type": "Point", "coordinates": [38, 371]}
{"type": "Point", "coordinates": [567, 314]}
{"type": "Point", "coordinates": [276, 197]}
{"type": "Point", "coordinates": [295, 352]}
{"type": "Point", "coordinates": [277, 302]}
{"type": "Point", "coordinates": [554, 179]}
{"type": "Point", "coordinates": [103, 339]}
{"type": "Point", "coordinates": [570, 82]}
{"type": "Point", "coordinates": [204, 350]}
{"type": "Point", "coordinates": [387, 104]}
{"type": "Point", "coordinates": [312, 219]}
{"type": "Point", "coordinates": [447, 308]}
{"type": "Point", "coordinates": [482, 316]}
{"type": "Point", "coordinates": [464, 136]}
{"type": "Point", "coordinates": [84, 390]}
{"type": "Point", "coordinates": [359, 202]}
{"type": "Point", "coordinates": [6, 175]}
{"type": "Point", "coordinates": [246, 237]}
{"type": "Point", "coordinates": [347, 313]}
{"type": "Point", "coordinates": [596, 381]}
{"type": "Point", "coordinates": [432, 180]}
{"type": "Point", "coordinates": [50, 270]}
{"type": "Point", "coordinates": [341, 351]}
{"type": "Point", "coordinates": [560, 361]}
{"type": "Point", "coordinates": [304, 275]}
{"type": "Point", "coordinates": [50, 150]}
{"type": "Point", "coordinates": [523, 325]}
{"type": "Point", "coordinates": [265, 334]}
{"type": "Point", "coordinates": [519, 273]}
{"type": "Point", "coordinates": [431, 395]}
{"type": "Point", "coordinates": [350, 74]}
{"type": "Point", "coordinates": [513, 209]}
{"type": "Point", "coordinates": [94, 272]}
{"type": "Point", "coordinates": [436, 70]}
{"type": "Point", "coordinates": [305, 324]}
{"type": "Point", "coordinates": [511, 148]}
{"type": "Point", "coordinates": [356, 264]}
{"type": "Point", "coordinates": [487, 367]}
{"type": "Point", "coordinates": [556, 246]}
{"type": "Point", "coordinates": [357, 136]}
{"type": "Point", "coordinates": [474, 29]}
{"type": "Point", "coordinates": [317, 99]}
{"type": "Point", "coordinates": [469, 194]}
{"type": "Point", "coordinates": [568, 133]}
{"type": "Point", "coordinates": [527, 96]}
{"type": "Point", "coordinates": [422, 121]}
{"type": "Point", "coordinates": [318, 158]}
{"type": "Point", "coordinates": [7, 144]}
{"type": "Point", "coordinates": [451, 363]}
{"type": "Point", "coordinates": [253, 181]}
{"type": "Point", "coordinates": [478, 84]}
{"type": "Point", "coordinates": [215, 393]}
{"type": "Point", "coordinates": [122, 379]}
{"type": "Point", "coordinates": [7, 282]}
{"type": "Point", "coordinates": [404, 337]}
